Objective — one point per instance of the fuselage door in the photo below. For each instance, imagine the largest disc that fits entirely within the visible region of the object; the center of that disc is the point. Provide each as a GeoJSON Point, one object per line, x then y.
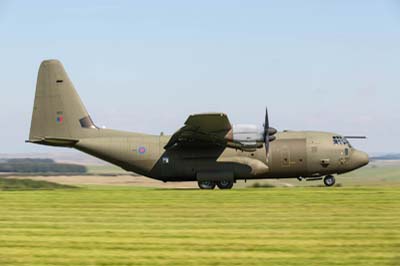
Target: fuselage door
{"type": "Point", "coordinates": [292, 157]}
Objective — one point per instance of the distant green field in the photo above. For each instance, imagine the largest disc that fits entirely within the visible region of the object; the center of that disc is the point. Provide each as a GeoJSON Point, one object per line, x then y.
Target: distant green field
{"type": "Point", "coordinates": [27, 184]}
{"type": "Point", "coordinates": [105, 169]}
{"type": "Point", "coordinates": [140, 226]}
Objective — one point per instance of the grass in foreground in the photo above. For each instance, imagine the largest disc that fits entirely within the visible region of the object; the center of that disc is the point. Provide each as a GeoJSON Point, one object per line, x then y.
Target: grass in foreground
{"type": "Point", "coordinates": [125, 226]}
{"type": "Point", "coordinates": [28, 184]}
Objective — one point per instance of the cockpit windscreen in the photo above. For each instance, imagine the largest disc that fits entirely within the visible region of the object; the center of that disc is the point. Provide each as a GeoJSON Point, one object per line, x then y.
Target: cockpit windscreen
{"type": "Point", "coordinates": [339, 140]}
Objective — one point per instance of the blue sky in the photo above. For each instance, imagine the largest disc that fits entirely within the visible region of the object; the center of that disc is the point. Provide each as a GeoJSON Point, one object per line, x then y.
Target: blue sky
{"type": "Point", "coordinates": [146, 65]}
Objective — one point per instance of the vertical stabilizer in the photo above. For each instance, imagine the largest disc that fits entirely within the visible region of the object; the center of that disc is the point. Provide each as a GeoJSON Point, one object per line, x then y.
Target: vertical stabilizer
{"type": "Point", "coordinates": [58, 112]}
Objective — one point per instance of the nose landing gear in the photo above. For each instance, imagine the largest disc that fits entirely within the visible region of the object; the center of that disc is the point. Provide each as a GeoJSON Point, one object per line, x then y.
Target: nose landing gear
{"type": "Point", "coordinates": [329, 180]}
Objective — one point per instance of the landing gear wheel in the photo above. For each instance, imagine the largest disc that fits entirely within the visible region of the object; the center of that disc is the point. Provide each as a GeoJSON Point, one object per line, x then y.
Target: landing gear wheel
{"type": "Point", "coordinates": [206, 184]}
{"type": "Point", "coordinates": [329, 180]}
{"type": "Point", "coordinates": [225, 184]}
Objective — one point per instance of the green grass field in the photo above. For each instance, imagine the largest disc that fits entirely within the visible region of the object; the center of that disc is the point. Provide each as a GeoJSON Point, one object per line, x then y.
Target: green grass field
{"type": "Point", "coordinates": [141, 226]}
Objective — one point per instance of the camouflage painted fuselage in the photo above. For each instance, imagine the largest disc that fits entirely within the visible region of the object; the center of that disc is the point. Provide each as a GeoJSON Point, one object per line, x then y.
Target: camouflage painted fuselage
{"type": "Point", "coordinates": [59, 118]}
{"type": "Point", "coordinates": [292, 154]}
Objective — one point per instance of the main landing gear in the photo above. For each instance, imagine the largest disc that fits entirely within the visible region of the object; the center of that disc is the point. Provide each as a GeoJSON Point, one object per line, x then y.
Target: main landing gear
{"type": "Point", "coordinates": [329, 180]}
{"type": "Point", "coordinates": [206, 184]}
{"type": "Point", "coordinates": [222, 184]}
{"type": "Point", "coordinates": [225, 184]}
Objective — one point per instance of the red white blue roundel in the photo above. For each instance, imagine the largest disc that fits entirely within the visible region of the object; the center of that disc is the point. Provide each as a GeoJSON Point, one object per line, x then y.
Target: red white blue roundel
{"type": "Point", "coordinates": [59, 119]}
{"type": "Point", "coordinates": [142, 150]}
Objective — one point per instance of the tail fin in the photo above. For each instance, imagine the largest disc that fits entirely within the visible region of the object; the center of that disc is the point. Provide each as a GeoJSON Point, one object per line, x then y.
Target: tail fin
{"type": "Point", "coordinates": [58, 112]}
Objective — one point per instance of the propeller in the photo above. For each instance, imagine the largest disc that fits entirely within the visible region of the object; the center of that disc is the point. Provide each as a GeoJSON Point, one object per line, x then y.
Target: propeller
{"type": "Point", "coordinates": [269, 132]}
{"type": "Point", "coordinates": [266, 131]}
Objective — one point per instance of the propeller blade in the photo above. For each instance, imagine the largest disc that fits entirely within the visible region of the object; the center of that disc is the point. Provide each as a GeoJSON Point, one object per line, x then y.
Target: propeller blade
{"type": "Point", "coordinates": [266, 132]}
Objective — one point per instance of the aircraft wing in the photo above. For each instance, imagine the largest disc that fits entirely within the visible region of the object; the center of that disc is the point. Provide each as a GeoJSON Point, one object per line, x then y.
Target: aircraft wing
{"type": "Point", "coordinates": [208, 128]}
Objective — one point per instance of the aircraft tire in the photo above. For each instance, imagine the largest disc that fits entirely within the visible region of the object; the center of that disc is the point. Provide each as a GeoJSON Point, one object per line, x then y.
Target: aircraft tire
{"type": "Point", "coordinates": [206, 184]}
{"type": "Point", "coordinates": [225, 184]}
{"type": "Point", "coordinates": [329, 180]}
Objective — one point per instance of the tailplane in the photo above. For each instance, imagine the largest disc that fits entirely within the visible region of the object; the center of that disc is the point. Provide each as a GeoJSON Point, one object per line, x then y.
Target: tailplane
{"type": "Point", "coordinates": [59, 117]}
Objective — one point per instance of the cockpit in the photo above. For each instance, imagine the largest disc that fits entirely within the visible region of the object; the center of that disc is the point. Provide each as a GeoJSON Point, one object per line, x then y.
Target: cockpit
{"type": "Point", "coordinates": [339, 140]}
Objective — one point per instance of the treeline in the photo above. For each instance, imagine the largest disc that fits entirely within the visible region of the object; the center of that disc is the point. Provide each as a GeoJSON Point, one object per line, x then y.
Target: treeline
{"type": "Point", "coordinates": [28, 165]}
{"type": "Point", "coordinates": [29, 160]}
{"type": "Point", "coordinates": [393, 156]}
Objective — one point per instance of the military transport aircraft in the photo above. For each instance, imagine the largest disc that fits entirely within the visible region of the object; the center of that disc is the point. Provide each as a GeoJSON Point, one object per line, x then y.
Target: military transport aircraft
{"type": "Point", "coordinates": [207, 149]}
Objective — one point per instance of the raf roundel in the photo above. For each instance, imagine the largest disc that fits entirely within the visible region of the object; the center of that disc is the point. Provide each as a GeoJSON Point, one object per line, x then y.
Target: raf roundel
{"type": "Point", "coordinates": [142, 150]}
{"type": "Point", "coordinates": [59, 119]}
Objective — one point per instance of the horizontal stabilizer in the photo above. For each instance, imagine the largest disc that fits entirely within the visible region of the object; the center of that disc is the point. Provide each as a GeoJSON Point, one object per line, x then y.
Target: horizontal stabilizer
{"type": "Point", "coordinates": [64, 142]}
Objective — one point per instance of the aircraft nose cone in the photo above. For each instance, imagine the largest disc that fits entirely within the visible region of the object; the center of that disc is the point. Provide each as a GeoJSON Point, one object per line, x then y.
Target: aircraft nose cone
{"type": "Point", "coordinates": [360, 158]}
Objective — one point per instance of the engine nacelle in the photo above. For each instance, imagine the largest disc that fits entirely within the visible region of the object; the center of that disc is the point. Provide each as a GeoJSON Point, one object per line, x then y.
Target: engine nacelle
{"type": "Point", "coordinates": [247, 133]}
{"type": "Point", "coordinates": [248, 137]}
